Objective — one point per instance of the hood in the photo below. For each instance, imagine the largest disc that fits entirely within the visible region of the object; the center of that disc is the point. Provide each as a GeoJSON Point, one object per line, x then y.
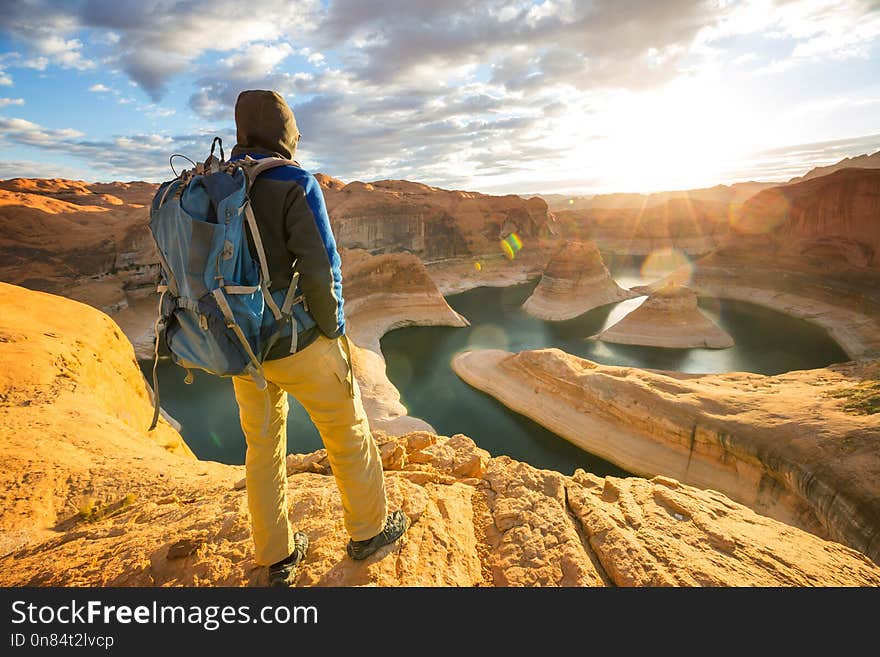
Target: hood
{"type": "Point", "coordinates": [264, 125]}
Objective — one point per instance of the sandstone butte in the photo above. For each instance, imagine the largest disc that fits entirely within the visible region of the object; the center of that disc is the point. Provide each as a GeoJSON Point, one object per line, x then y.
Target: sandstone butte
{"type": "Point", "coordinates": [671, 318]}
{"type": "Point", "coordinates": [91, 498]}
{"type": "Point", "coordinates": [382, 293]}
{"type": "Point", "coordinates": [798, 447]}
{"type": "Point", "coordinates": [575, 281]}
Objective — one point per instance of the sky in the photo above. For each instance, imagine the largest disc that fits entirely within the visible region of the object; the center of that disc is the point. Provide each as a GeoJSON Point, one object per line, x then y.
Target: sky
{"type": "Point", "coordinates": [499, 96]}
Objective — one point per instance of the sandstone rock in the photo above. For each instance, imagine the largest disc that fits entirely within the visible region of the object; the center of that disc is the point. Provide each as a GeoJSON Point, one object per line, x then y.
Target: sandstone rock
{"type": "Point", "coordinates": [808, 249]}
{"type": "Point", "coordinates": [383, 293]}
{"type": "Point", "coordinates": [73, 413]}
{"type": "Point", "coordinates": [670, 317]}
{"type": "Point", "coordinates": [784, 445]}
{"type": "Point", "coordinates": [693, 222]}
{"type": "Point", "coordinates": [86, 241]}
{"type": "Point", "coordinates": [574, 282]}
{"type": "Point", "coordinates": [859, 162]}
{"type": "Point", "coordinates": [398, 215]}
{"type": "Point", "coordinates": [727, 194]}
{"type": "Point", "coordinates": [652, 534]}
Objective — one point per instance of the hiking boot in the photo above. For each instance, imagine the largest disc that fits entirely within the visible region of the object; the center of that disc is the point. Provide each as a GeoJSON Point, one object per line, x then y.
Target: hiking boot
{"type": "Point", "coordinates": [285, 571]}
{"type": "Point", "coordinates": [395, 525]}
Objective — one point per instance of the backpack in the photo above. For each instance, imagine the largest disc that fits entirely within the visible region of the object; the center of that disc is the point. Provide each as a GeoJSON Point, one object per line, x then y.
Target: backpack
{"type": "Point", "coordinates": [215, 310]}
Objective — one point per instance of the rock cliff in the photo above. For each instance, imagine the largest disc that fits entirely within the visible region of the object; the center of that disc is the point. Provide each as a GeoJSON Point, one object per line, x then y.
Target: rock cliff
{"type": "Point", "coordinates": [727, 194]}
{"type": "Point", "coordinates": [690, 225]}
{"type": "Point", "coordinates": [89, 241]}
{"type": "Point", "coordinates": [800, 447]}
{"type": "Point", "coordinates": [809, 249]}
{"type": "Point", "coordinates": [669, 317]}
{"type": "Point", "coordinates": [575, 281]}
{"type": "Point", "coordinates": [382, 293]}
{"type": "Point", "coordinates": [398, 215]}
{"type": "Point", "coordinates": [859, 162]}
{"type": "Point", "coordinates": [86, 241]}
{"type": "Point", "coordinates": [91, 499]}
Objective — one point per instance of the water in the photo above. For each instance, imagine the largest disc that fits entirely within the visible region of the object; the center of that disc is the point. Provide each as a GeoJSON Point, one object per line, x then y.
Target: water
{"type": "Point", "coordinates": [418, 360]}
{"type": "Point", "coordinates": [208, 415]}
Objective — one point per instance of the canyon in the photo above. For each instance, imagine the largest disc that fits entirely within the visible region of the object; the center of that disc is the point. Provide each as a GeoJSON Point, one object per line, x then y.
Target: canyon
{"type": "Point", "coordinates": [811, 250]}
{"type": "Point", "coordinates": [751, 480]}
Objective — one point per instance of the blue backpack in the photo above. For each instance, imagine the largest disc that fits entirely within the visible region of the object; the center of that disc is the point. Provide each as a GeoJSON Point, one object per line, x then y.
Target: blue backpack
{"type": "Point", "coordinates": [215, 310]}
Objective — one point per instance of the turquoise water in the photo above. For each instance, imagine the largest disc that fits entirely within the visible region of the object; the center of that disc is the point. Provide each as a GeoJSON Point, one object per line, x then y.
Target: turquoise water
{"type": "Point", "coordinates": [418, 359]}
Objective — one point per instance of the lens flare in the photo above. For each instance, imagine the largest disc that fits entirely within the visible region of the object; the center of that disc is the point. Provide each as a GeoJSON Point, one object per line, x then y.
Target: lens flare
{"type": "Point", "coordinates": [670, 264]}
{"type": "Point", "coordinates": [511, 245]}
{"type": "Point", "coordinates": [761, 214]}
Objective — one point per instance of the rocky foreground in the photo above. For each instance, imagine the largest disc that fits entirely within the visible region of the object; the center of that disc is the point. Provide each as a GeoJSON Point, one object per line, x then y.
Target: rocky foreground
{"type": "Point", "coordinates": [801, 447]}
{"type": "Point", "coordinates": [91, 498]}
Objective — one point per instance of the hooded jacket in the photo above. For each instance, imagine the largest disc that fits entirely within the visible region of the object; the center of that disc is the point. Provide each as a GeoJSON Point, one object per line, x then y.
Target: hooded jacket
{"type": "Point", "coordinates": [289, 207]}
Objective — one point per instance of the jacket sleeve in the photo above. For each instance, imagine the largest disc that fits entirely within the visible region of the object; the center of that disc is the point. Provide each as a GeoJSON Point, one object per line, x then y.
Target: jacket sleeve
{"type": "Point", "coordinates": [310, 240]}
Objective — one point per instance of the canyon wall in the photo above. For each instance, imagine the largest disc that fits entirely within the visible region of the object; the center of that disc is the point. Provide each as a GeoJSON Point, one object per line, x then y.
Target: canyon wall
{"type": "Point", "coordinates": [689, 225]}
{"type": "Point", "coordinates": [398, 215]}
{"type": "Point", "coordinates": [809, 249]}
{"type": "Point", "coordinates": [87, 241]}
{"type": "Point", "coordinates": [90, 241]}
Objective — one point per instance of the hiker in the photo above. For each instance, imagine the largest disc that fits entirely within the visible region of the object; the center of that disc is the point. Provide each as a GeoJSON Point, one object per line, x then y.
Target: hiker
{"type": "Point", "coordinates": [294, 227]}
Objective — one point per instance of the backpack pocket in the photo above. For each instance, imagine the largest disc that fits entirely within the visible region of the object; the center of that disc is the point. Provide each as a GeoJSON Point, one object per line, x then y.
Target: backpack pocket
{"type": "Point", "coordinates": [197, 336]}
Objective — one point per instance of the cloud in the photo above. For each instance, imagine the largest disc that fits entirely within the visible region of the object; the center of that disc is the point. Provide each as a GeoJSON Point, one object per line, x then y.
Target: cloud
{"type": "Point", "coordinates": [44, 27]}
{"type": "Point", "coordinates": [448, 92]}
{"type": "Point", "coordinates": [795, 160]}
{"type": "Point", "coordinates": [154, 40]}
{"type": "Point", "coordinates": [5, 102]}
{"type": "Point", "coordinates": [34, 169]}
{"type": "Point", "coordinates": [128, 157]}
{"type": "Point", "coordinates": [563, 41]}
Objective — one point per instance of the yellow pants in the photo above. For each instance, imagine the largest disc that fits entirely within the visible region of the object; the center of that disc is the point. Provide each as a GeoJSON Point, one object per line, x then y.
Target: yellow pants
{"type": "Point", "coordinates": [320, 378]}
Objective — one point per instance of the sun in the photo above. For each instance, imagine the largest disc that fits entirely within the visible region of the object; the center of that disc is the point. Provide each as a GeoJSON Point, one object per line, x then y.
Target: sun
{"type": "Point", "coordinates": [683, 136]}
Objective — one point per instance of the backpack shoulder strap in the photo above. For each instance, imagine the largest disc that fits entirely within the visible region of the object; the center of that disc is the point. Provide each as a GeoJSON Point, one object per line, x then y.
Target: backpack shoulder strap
{"type": "Point", "coordinates": [253, 167]}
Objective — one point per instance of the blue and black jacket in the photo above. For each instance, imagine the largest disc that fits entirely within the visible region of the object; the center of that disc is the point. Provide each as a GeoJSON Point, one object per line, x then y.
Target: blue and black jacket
{"type": "Point", "coordinates": [294, 226]}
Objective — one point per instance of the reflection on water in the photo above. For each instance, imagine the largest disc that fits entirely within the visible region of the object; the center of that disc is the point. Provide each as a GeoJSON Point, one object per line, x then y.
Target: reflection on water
{"type": "Point", "coordinates": [418, 364]}
{"type": "Point", "coordinates": [621, 310]}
